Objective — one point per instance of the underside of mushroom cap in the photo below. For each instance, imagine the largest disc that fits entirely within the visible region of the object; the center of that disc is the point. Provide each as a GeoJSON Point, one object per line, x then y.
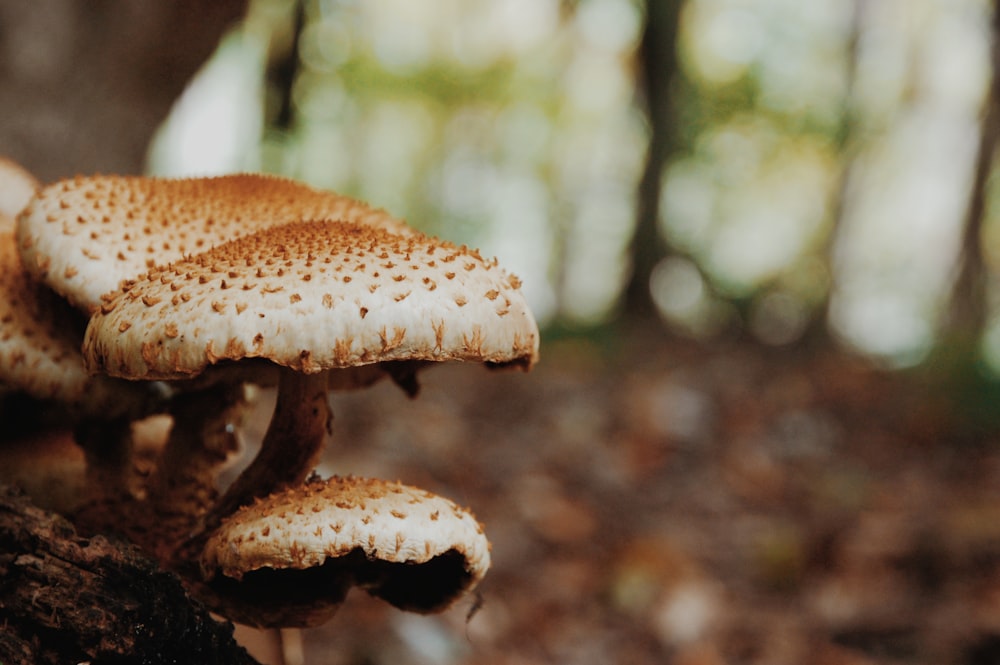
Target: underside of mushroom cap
{"type": "Point", "coordinates": [83, 236]}
{"type": "Point", "coordinates": [301, 549]}
{"type": "Point", "coordinates": [314, 296]}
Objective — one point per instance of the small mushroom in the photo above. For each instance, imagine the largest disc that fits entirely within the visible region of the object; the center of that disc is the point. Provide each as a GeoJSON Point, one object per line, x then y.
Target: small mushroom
{"type": "Point", "coordinates": [315, 299]}
{"type": "Point", "coordinates": [84, 236]}
{"type": "Point", "coordinates": [290, 558]}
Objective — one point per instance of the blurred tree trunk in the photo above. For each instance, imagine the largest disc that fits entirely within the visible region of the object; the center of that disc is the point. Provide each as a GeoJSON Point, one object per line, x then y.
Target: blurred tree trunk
{"type": "Point", "coordinates": [953, 373]}
{"type": "Point", "coordinates": [283, 69]}
{"type": "Point", "coordinates": [817, 332]}
{"type": "Point", "coordinates": [966, 317]}
{"type": "Point", "coordinates": [84, 85]}
{"type": "Point", "coordinates": [658, 69]}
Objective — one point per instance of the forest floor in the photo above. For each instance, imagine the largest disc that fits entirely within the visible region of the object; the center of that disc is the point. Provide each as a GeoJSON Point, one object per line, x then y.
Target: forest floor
{"type": "Point", "coordinates": [664, 502]}
{"type": "Point", "coordinates": [651, 500]}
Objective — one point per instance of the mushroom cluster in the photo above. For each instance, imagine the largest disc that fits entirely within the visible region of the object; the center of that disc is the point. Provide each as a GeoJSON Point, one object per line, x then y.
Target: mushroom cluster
{"type": "Point", "coordinates": [41, 361]}
{"type": "Point", "coordinates": [196, 287]}
{"type": "Point", "coordinates": [45, 389]}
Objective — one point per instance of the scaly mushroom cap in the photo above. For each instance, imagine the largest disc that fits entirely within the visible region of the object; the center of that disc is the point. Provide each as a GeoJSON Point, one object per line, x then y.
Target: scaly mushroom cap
{"type": "Point", "coordinates": [17, 186]}
{"type": "Point", "coordinates": [314, 296]}
{"type": "Point", "coordinates": [299, 551]}
{"type": "Point", "coordinates": [40, 338]}
{"type": "Point", "coordinates": [86, 235]}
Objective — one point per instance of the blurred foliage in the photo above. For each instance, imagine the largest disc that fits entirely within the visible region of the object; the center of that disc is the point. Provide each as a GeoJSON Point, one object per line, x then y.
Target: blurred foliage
{"type": "Point", "coordinates": [819, 175]}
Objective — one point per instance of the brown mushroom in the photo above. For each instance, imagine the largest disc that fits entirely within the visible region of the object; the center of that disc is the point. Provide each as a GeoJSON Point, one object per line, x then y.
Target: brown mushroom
{"type": "Point", "coordinates": [313, 298]}
{"type": "Point", "coordinates": [290, 558]}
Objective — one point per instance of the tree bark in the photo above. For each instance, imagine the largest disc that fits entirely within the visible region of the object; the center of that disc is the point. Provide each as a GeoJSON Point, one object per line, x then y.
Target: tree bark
{"type": "Point", "coordinates": [85, 85]}
{"type": "Point", "coordinates": [66, 599]}
{"type": "Point", "coordinates": [966, 316]}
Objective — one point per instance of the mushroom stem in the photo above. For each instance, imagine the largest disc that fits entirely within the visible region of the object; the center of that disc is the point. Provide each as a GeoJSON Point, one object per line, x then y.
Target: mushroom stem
{"type": "Point", "coordinates": [203, 436]}
{"type": "Point", "coordinates": [290, 448]}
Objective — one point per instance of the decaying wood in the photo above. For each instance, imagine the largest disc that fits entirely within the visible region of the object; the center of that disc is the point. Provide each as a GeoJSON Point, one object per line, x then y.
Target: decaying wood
{"type": "Point", "coordinates": [67, 599]}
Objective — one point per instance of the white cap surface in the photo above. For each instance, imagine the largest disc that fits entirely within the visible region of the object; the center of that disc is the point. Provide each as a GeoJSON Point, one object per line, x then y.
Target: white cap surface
{"type": "Point", "coordinates": [303, 526]}
{"type": "Point", "coordinates": [314, 296]}
{"type": "Point", "coordinates": [84, 236]}
{"type": "Point", "coordinates": [414, 549]}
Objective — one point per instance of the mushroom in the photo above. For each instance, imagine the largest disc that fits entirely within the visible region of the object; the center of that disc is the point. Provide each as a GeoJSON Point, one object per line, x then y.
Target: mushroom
{"type": "Point", "coordinates": [316, 299]}
{"type": "Point", "coordinates": [289, 559]}
{"type": "Point", "coordinates": [84, 236]}
{"type": "Point", "coordinates": [42, 371]}
{"type": "Point", "coordinates": [40, 338]}
{"type": "Point", "coordinates": [181, 486]}
{"type": "Point", "coordinates": [44, 384]}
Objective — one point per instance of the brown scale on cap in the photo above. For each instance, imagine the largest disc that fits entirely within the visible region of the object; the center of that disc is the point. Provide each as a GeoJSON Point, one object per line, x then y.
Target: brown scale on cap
{"type": "Point", "coordinates": [289, 558]}
{"type": "Point", "coordinates": [83, 236]}
{"type": "Point", "coordinates": [316, 299]}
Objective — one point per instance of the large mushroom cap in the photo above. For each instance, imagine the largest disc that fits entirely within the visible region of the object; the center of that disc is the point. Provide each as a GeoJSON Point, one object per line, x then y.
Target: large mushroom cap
{"type": "Point", "coordinates": [84, 236]}
{"type": "Point", "coordinates": [314, 296]}
{"type": "Point", "coordinates": [290, 558]}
